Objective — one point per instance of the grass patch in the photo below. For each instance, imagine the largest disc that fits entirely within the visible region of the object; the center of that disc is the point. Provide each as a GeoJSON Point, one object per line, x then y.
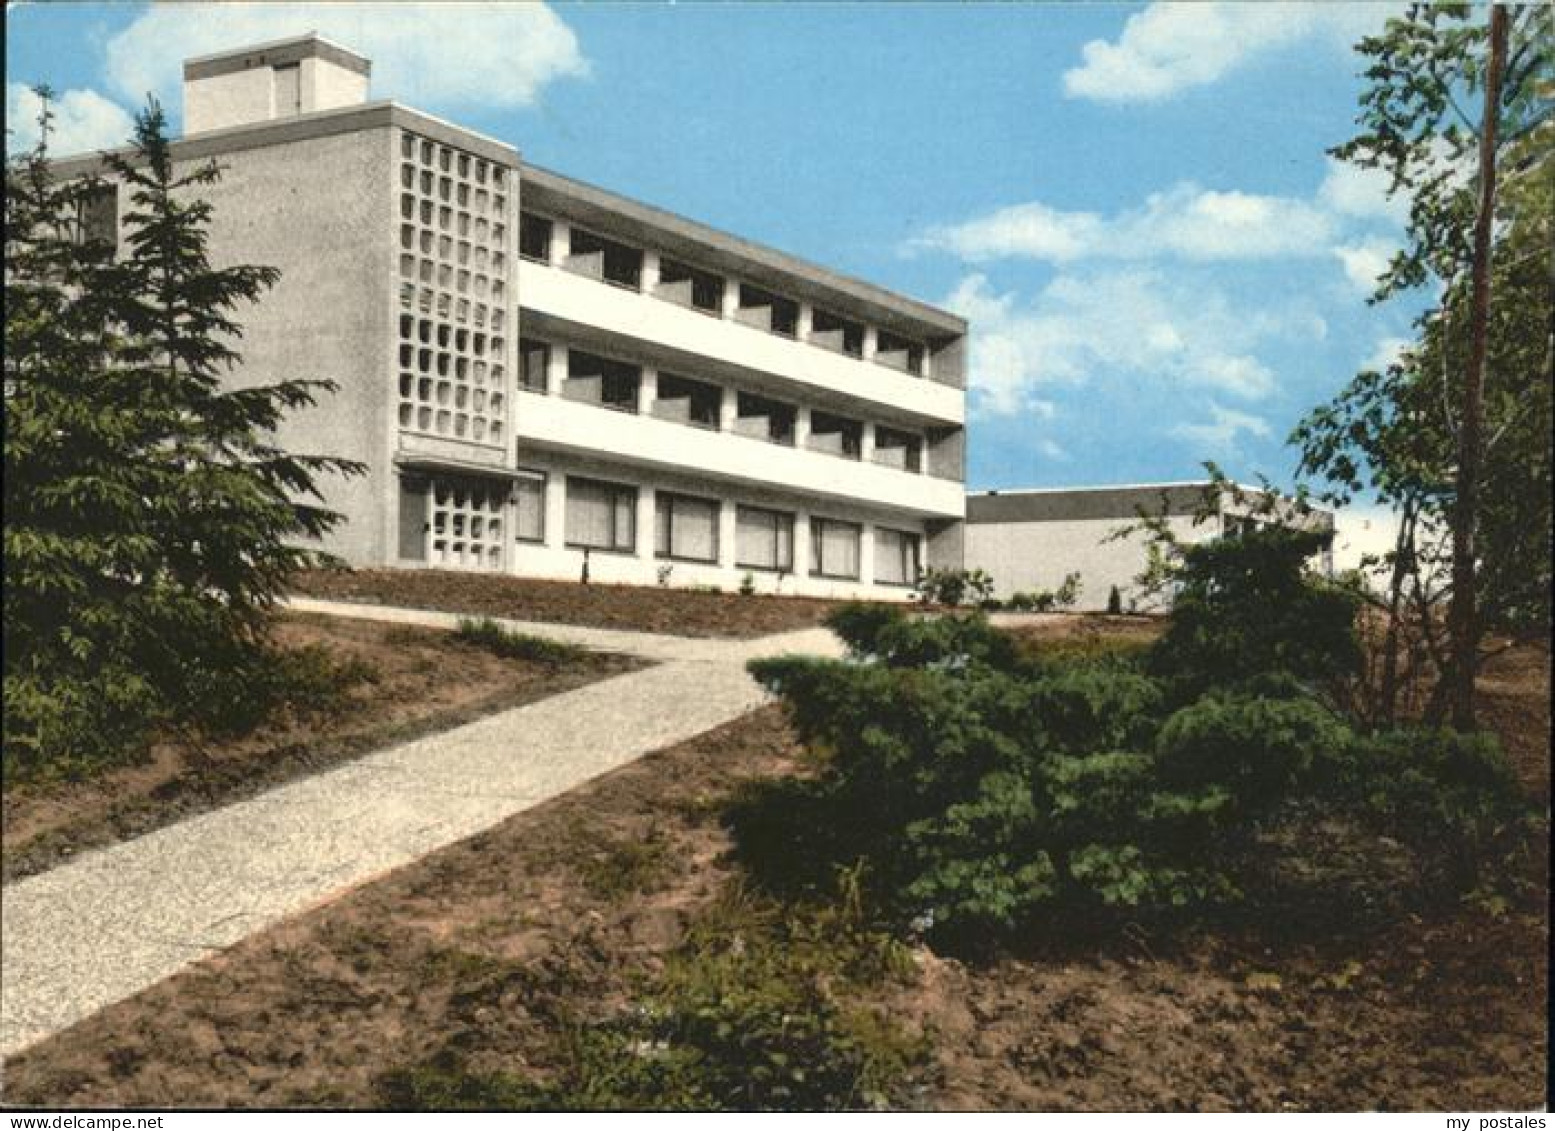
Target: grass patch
{"type": "Point", "coordinates": [759, 1009]}
{"type": "Point", "coordinates": [488, 635]}
{"type": "Point", "coordinates": [619, 867]}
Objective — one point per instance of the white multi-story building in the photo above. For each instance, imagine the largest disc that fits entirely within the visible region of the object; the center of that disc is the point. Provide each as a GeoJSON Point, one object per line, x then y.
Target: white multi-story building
{"type": "Point", "coordinates": [538, 373]}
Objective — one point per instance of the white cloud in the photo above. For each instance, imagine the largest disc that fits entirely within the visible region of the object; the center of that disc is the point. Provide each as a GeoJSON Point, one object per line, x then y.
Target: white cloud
{"type": "Point", "coordinates": [1129, 324]}
{"type": "Point", "coordinates": [1388, 351]}
{"type": "Point", "coordinates": [1364, 262]}
{"type": "Point", "coordinates": [1053, 451]}
{"type": "Point", "coordinates": [83, 121]}
{"type": "Point", "coordinates": [433, 55]}
{"type": "Point", "coordinates": [1217, 438]}
{"type": "Point", "coordinates": [1186, 221]}
{"type": "Point", "coordinates": [1031, 231]}
{"type": "Point", "coordinates": [1353, 190]}
{"type": "Point", "coordinates": [1170, 47]}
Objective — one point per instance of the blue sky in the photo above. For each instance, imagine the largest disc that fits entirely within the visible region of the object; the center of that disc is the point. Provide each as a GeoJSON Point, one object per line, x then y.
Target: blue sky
{"type": "Point", "coordinates": [1131, 203]}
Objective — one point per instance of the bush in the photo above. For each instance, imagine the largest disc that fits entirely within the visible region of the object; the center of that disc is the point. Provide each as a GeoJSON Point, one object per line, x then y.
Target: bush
{"type": "Point", "coordinates": [1084, 707]}
{"type": "Point", "coordinates": [952, 588]}
{"type": "Point", "coordinates": [1114, 602]}
{"type": "Point", "coordinates": [1245, 608]}
{"type": "Point", "coordinates": [90, 721]}
{"type": "Point", "coordinates": [490, 636]}
{"type": "Point", "coordinates": [1260, 749]}
{"type": "Point", "coordinates": [1451, 797]}
{"type": "Point", "coordinates": [884, 634]}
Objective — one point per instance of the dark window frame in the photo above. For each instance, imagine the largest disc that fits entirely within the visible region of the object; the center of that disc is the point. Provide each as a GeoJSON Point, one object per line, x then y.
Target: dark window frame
{"type": "Point", "coordinates": [660, 498]}
{"type": "Point", "coordinates": [789, 517]}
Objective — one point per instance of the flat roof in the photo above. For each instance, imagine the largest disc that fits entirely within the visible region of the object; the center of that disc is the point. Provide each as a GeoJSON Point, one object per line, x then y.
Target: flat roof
{"type": "Point", "coordinates": [1127, 501]}
{"type": "Point", "coordinates": [302, 127]}
{"type": "Point", "coordinates": [1078, 503]}
{"type": "Point", "coordinates": [276, 51]}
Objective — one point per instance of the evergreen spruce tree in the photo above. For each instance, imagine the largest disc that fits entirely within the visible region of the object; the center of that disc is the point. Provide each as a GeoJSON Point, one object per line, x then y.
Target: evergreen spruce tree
{"type": "Point", "coordinates": [150, 522]}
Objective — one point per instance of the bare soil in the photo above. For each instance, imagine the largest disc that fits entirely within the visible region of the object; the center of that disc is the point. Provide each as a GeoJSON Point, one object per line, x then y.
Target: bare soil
{"type": "Point", "coordinates": [472, 948]}
{"type": "Point", "coordinates": [678, 612]}
{"type": "Point", "coordinates": [422, 680]}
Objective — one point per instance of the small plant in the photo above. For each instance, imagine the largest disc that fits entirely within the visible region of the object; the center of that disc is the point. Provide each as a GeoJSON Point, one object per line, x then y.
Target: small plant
{"type": "Point", "coordinates": [490, 636]}
{"type": "Point", "coordinates": [1068, 591]}
{"type": "Point", "coordinates": [749, 1013]}
{"type": "Point", "coordinates": [1043, 601]}
{"type": "Point", "coordinates": [1114, 602]}
{"type": "Point", "coordinates": [622, 866]}
{"type": "Point", "coordinates": [952, 588]}
{"type": "Point", "coordinates": [748, 585]}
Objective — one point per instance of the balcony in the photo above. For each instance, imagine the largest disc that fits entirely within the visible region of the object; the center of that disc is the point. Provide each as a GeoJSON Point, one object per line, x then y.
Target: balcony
{"type": "Point", "coordinates": [745, 342]}
{"type": "Point", "coordinates": [559, 424]}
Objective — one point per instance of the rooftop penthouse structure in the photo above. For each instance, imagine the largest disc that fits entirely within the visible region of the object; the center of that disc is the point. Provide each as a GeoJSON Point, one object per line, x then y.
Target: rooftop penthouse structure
{"type": "Point", "coordinates": [539, 373]}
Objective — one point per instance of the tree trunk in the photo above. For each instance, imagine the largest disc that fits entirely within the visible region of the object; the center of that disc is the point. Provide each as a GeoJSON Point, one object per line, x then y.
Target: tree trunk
{"type": "Point", "coordinates": [1462, 616]}
{"type": "Point", "coordinates": [1404, 564]}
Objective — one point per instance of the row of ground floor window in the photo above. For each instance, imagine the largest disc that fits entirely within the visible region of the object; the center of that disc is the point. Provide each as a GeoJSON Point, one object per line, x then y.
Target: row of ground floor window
{"type": "Point", "coordinates": [550, 523]}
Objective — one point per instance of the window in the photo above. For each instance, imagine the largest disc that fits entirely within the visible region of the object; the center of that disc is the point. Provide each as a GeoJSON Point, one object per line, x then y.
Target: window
{"type": "Point", "coordinates": [466, 520]}
{"type": "Point", "coordinates": [605, 259]}
{"type": "Point", "coordinates": [763, 539]}
{"type": "Point", "coordinates": [899, 353]}
{"type": "Point", "coordinates": [834, 333]}
{"type": "Point", "coordinates": [835, 435]}
{"type": "Point", "coordinates": [98, 213]}
{"type": "Point", "coordinates": [534, 360]}
{"type": "Point", "coordinates": [686, 528]}
{"type": "Point", "coordinates": [764, 419]}
{"type": "Point", "coordinates": [767, 311]}
{"type": "Point", "coordinates": [690, 287]}
{"type": "Point", "coordinates": [901, 450]}
{"type": "Point", "coordinates": [834, 548]}
{"type": "Point", "coordinates": [529, 495]}
{"type": "Point", "coordinates": [601, 516]}
{"type": "Point", "coordinates": [534, 237]}
{"type": "Point", "coordinates": [687, 402]}
{"type": "Point", "coordinates": [896, 557]}
{"type": "Point", "coordinates": [600, 381]}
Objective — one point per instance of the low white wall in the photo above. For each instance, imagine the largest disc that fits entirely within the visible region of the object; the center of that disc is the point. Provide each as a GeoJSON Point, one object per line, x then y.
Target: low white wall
{"type": "Point", "coordinates": [1025, 556]}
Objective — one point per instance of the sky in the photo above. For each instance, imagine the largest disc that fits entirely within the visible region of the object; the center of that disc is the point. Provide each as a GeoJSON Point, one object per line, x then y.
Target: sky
{"type": "Point", "coordinates": [1132, 204]}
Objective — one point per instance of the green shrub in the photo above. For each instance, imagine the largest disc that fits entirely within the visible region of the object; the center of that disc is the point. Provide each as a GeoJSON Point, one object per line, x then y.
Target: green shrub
{"type": "Point", "coordinates": [950, 642]}
{"type": "Point", "coordinates": [1114, 602]}
{"type": "Point", "coordinates": [490, 636]}
{"type": "Point", "coordinates": [90, 722]}
{"type": "Point", "coordinates": [1084, 707]}
{"type": "Point", "coordinates": [1245, 607]}
{"type": "Point", "coordinates": [952, 588]}
{"type": "Point", "coordinates": [1451, 797]}
{"type": "Point", "coordinates": [1260, 749]}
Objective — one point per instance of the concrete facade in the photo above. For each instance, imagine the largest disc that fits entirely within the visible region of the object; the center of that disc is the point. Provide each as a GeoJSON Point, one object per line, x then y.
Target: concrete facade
{"type": "Point", "coordinates": [1030, 540]}
{"type": "Point", "coordinates": [538, 373]}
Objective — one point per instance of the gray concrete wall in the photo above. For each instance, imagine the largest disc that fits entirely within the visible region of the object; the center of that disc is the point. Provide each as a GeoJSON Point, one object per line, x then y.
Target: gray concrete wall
{"type": "Point", "coordinates": [321, 211]}
{"type": "Point", "coordinates": [1026, 556]}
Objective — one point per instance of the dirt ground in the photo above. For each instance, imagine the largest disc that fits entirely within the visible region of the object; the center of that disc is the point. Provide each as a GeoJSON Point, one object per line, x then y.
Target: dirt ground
{"type": "Point", "coordinates": [423, 680]}
{"type": "Point", "coordinates": [472, 949]}
{"type": "Point", "coordinates": [680, 612]}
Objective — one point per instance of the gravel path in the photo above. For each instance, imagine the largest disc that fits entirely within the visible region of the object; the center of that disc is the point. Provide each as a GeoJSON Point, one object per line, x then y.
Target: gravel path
{"type": "Point", "coordinates": [94, 931]}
